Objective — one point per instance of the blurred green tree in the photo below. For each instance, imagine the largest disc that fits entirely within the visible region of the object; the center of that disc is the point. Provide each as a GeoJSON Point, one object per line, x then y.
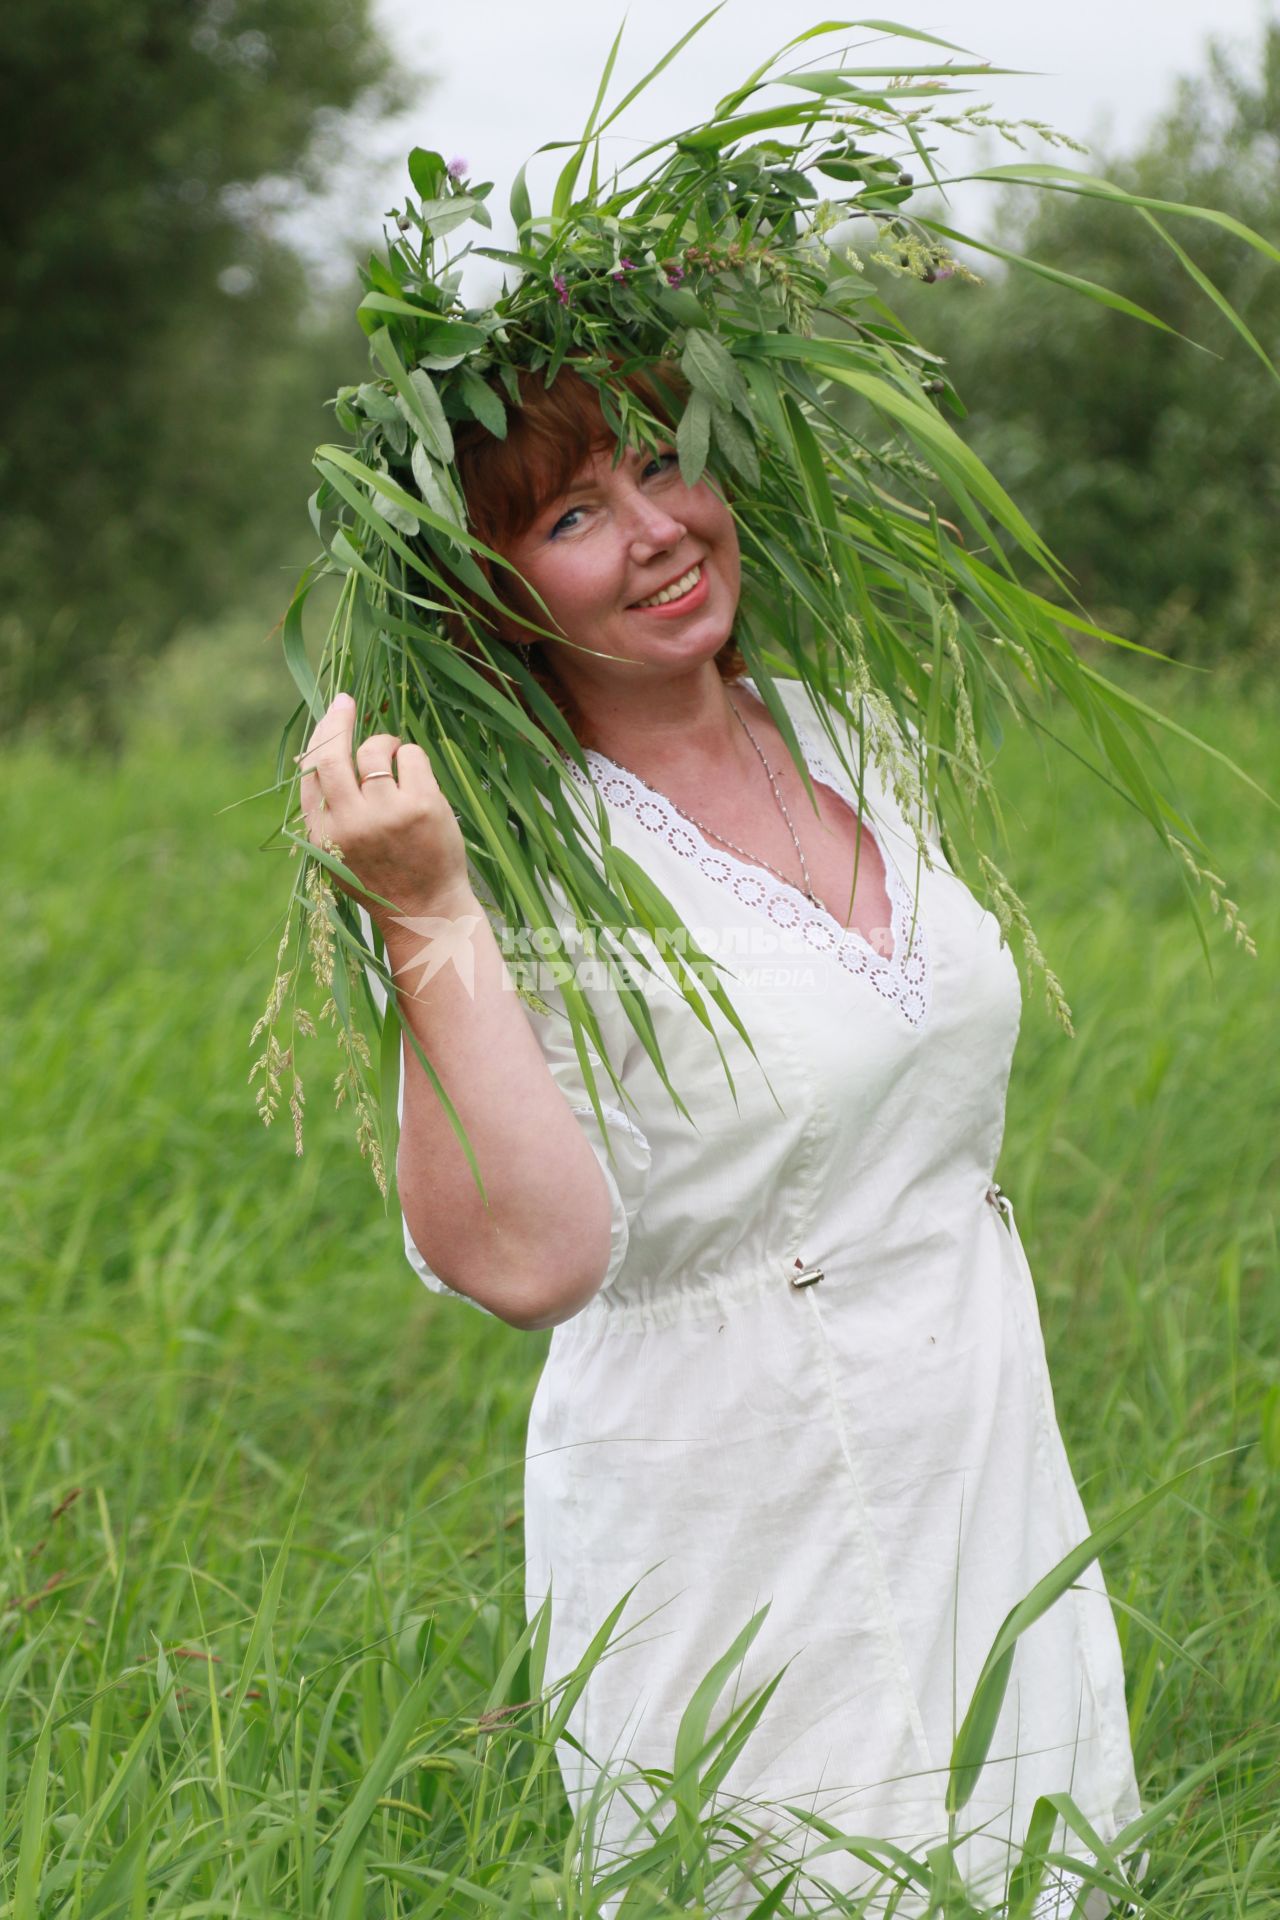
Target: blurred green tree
{"type": "Point", "coordinates": [1151, 468]}
{"type": "Point", "coordinates": [166, 358]}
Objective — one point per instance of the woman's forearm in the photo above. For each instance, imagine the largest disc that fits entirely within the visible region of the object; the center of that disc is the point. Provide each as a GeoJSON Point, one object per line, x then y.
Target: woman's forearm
{"type": "Point", "coordinates": [540, 1249]}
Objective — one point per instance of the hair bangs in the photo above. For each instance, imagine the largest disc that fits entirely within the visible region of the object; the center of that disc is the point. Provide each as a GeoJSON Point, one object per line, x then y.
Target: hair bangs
{"type": "Point", "coordinates": [551, 435]}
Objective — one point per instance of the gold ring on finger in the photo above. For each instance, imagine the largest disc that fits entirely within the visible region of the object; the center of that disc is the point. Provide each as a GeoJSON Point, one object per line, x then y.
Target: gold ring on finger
{"type": "Point", "coordinates": [383, 773]}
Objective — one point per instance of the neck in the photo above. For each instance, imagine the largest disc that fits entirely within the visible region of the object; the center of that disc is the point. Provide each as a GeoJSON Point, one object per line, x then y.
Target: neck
{"type": "Point", "coordinates": [667, 726]}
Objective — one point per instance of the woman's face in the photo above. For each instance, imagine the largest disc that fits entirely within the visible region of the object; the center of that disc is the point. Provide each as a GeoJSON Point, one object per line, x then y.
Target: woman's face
{"type": "Point", "coordinates": [616, 538]}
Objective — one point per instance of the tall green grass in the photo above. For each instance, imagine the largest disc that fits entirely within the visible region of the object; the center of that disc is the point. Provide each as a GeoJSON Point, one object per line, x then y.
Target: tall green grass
{"type": "Point", "coordinates": [262, 1646]}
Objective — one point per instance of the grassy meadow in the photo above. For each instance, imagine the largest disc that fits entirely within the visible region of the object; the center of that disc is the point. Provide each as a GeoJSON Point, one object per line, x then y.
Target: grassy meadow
{"type": "Point", "coordinates": [262, 1646]}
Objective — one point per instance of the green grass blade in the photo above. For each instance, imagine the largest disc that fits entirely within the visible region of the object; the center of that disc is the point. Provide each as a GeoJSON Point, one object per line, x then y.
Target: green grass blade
{"type": "Point", "coordinates": [31, 1846]}
{"type": "Point", "coordinates": [1092, 288]}
{"type": "Point", "coordinates": [382, 1770]}
{"type": "Point", "coordinates": [1219, 299]}
{"type": "Point", "coordinates": [661, 65]}
{"type": "Point", "coordinates": [1091, 186]}
{"type": "Point", "coordinates": [973, 1741]}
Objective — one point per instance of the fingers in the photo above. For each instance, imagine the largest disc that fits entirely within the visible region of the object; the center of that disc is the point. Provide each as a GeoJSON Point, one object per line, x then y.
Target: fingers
{"type": "Point", "coordinates": [373, 763]}
{"type": "Point", "coordinates": [410, 766]}
{"type": "Point", "coordinates": [329, 775]}
{"type": "Point", "coordinates": [415, 772]}
{"type": "Point", "coordinates": [338, 786]}
{"type": "Point", "coordinates": [381, 809]}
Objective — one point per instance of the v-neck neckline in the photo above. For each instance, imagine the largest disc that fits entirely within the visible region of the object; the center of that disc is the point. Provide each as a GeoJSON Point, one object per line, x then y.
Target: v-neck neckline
{"type": "Point", "coordinates": [902, 975]}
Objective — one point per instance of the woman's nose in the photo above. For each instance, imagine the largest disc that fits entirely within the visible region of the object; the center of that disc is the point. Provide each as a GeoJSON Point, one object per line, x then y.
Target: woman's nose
{"type": "Point", "coordinates": [652, 527]}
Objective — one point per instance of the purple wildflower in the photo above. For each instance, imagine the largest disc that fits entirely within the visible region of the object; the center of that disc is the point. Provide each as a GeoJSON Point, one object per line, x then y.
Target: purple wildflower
{"type": "Point", "coordinates": [943, 273]}
{"type": "Point", "coordinates": [458, 169]}
{"type": "Point", "coordinates": [557, 281]}
{"type": "Point", "coordinates": [625, 267]}
{"type": "Point", "coordinates": [674, 276]}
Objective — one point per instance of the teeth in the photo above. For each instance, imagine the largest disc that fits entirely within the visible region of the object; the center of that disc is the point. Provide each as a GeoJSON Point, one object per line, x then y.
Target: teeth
{"type": "Point", "coordinates": [683, 585]}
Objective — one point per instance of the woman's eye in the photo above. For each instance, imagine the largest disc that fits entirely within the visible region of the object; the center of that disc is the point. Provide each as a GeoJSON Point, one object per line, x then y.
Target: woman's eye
{"type": "Point", "coordinates": [657, 465]}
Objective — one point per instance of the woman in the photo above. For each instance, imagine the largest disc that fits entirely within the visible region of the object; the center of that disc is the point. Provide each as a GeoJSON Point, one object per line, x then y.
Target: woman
{"type": "Point", "coordinates": [796, 1357]}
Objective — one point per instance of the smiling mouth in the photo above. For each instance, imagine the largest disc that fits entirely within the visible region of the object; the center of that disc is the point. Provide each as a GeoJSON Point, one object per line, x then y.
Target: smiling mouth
{"type": "Point", "coordinates": [676, 591]}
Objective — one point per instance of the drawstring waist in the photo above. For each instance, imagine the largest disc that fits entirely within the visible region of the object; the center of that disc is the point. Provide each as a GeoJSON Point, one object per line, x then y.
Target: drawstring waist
{"type": "Point", "coordinates": [653, 1308]}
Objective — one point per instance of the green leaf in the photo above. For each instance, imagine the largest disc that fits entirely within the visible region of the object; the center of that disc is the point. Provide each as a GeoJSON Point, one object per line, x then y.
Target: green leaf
{"type": "Point", "coordinates": [345, 554]}
{"type": "Point", "coordinates": [429, 416]}
{"type": "Point", "coordinates": [683, 308]}
{"type": "Point", "coordinates": [451, 210]}
{"type": "Point", "coordinates": [1156, 718]}
{"type": "Point", "coordinates": [693, 438]}
{"type": "Point", "coordinates": [736, 444]}
{"type": "Point", "coordinates": [433, 484]}
{"type": "Point", "coordinates": [521, 210]}
{"type": "Point", "coordinates": [263, 1622]}
{"type": "Point", "coordinates": [835, 81]}
{"type": "Point", "coordinates": [295, 649]}
{"type": "Point", "coordinates": [973, 1742]}
{"type": "Point", "coordinates": [1092, 187]}
{"type": "Point", "coordinates": [766, 401]}
{"type": "Point", "coordinates": [603, 87]}
{"type": "Point", "coordinates": [383, 347]}
{"type": "Point", "coordinates": [397, 1745]}
{"type": "Point", "coordinates": [966, 474]}
{"type": "Point", "coordinates": [427, 171]}
{"type": "Point", "coordinates": [734, 100]}
{"type": "Point", "coordinates": [1103, 295]}
{"type": "Point", "coordinates": [691, 1734]}
{"type": "Point", "coordinates": [1219, 300]}
{"type": "Point", "coordinates": [709, 367]}
{"type": "Point", "coordinates": [665, 62]}
{"type": "Point", "coordinates": [381, 408]}
{"type": "Point", "coordinates": [808, 455]}
{"type": "Point", "coordinates": [483, 403]}
{"type": "Point", "coordinates": [337, 464]}
{"type": "Point", "coordinates": [376, 404]}
{"type": "Point", "coordinates": [1028, 1876]}
{"type": "Point", "coordinates": [387, 303]}
{"type": "Point", "coordinates": [31, 1846]}
{"type": "Point", "coordinates": [401, 518]}
{"type": "Point", "coordinates": [453, 336]}
{"type": "Point", "coordinates": [723, 133]}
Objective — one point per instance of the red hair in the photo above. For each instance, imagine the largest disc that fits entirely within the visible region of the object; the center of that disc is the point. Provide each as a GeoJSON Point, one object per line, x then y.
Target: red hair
{"type": "Point", "coordinates": [506, 483]}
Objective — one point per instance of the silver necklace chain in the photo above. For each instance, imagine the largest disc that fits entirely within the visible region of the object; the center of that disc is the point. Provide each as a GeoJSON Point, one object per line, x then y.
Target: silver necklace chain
{"type": "Point", "coordinates": [754, 857]}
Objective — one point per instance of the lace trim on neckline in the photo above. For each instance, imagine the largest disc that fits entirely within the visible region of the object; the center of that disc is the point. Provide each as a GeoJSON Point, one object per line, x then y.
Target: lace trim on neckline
{"type": "Point", "coordinates": [902, 977]}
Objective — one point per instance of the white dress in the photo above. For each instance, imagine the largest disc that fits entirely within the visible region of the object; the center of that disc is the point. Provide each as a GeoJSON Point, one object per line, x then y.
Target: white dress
{"type": "Point", "coordinates": [875, 1453]}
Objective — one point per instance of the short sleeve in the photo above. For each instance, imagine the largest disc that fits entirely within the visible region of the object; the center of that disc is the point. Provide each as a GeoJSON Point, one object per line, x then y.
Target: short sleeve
{"type": "Point", "coordinates": [620, 1146]}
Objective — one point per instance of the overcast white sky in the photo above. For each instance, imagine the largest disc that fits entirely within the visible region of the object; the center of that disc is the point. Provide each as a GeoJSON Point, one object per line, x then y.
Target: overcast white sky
{"type": "Point", "coordinates": [500, 77]}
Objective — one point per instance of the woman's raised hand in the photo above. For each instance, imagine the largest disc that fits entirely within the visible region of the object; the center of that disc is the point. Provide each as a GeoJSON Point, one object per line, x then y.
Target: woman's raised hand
{"type": "Point", "coordinates": [394, 828]}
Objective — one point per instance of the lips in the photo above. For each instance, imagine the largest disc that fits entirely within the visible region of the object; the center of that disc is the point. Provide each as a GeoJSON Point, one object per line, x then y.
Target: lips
{"type": "Point", "coordinates": [675, 590]}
